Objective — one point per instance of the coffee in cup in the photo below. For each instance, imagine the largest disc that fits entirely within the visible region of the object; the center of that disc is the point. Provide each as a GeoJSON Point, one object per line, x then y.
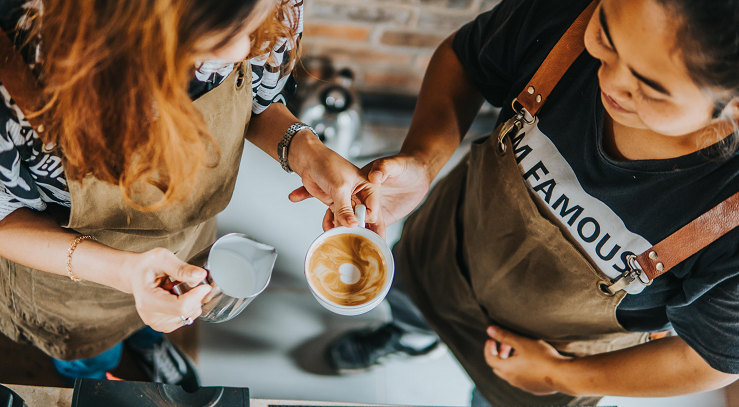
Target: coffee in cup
{"type": "Point", "coordinates": [349, 270]}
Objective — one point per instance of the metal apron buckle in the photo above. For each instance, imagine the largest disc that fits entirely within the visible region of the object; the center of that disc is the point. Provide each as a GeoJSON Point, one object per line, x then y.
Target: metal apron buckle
{"type": "Point", "coordinates": [514, 123]}
{"type": "Point", "coordinates": [632, 273]}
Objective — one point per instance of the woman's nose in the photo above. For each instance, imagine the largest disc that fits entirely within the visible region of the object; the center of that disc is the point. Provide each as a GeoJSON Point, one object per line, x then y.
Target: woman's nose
{"type": "Point", "coordinates": [616, 81]}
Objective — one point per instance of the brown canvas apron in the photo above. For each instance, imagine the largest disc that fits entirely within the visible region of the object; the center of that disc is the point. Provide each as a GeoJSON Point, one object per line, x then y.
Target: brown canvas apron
{"type": "Point", "coordinates": [70, 320]}
{"type": "Point", "coordinates": [480, 252]}
{"type": "Point", "coordinates": [520, 272]}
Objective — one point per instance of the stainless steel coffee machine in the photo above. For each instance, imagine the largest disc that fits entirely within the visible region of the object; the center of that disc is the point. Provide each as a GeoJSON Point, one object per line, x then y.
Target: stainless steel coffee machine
{"type": "Point", "coordinates": [333, 109]}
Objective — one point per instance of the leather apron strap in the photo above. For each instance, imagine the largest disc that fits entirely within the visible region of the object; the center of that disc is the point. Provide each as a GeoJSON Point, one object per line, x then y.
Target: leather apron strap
{"type": "Point", "coordinates": [559, 60]}
{"type": "Point", "coordinates": [674, 249]}
{"type": "Point", "coordinates": [691, 238]}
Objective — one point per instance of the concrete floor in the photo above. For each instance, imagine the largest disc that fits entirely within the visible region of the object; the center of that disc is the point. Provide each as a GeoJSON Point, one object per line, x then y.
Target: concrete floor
{"type": "Point", "coordinates": [275, 346]}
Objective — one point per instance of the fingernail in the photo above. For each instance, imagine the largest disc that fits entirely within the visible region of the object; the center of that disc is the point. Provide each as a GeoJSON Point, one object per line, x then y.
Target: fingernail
{"type": "Point", "coordinates": [492, 330]}
{"type": "Point", "coordinates": [493, 350]}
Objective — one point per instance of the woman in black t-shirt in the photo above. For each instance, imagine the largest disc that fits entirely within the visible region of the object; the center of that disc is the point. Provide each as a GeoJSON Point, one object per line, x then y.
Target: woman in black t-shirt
{"type": "Point", "coordinates": [634, 142]}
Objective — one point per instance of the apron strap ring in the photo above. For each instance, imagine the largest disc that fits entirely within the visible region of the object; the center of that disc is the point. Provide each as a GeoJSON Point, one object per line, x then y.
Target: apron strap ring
{"type": "Point", "coordinates": [515, 123]}
{"type": "Point", "coordinates": [522, 112]}
{"type": "Point", "coordinates": [634, 272]}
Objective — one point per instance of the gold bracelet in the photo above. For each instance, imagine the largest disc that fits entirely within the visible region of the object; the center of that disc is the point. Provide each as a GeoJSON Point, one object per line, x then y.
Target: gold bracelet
{"type": "Point", "coordinates": [69, 256]}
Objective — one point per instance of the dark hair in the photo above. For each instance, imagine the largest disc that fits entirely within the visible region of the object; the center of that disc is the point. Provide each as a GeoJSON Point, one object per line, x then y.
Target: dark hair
{"type": "Point", "coordinates": [708, 36]}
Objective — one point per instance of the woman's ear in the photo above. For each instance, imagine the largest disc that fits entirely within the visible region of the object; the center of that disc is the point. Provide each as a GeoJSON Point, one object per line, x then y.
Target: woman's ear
{"type": "Point", "coordinates": [729, 111]}
{"type": "Point", "coordinates": [726, 122]}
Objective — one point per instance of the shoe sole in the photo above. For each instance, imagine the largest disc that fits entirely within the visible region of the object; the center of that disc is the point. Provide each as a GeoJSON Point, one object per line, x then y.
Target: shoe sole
{"type": "Point", "coordinates": [437, 353]}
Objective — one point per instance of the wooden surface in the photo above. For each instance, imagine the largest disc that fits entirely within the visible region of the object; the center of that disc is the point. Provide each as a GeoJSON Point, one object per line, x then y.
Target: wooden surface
{"type": "Point", "coordinates": [44, 396]}
{"type": "Point", "coordinates": [24, 364]}
{"type": "Point", "coordinates": [62, 397]}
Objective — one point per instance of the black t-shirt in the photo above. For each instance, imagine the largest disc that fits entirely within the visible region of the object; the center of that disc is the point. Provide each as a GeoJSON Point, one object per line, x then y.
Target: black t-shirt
{"type": "Point", "coordinates": [610, 208]}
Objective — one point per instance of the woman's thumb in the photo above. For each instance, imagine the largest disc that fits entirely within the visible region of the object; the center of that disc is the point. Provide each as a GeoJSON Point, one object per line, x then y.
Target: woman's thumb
{"type": "Point", "coordinates": [384, 168]}
{"type": "Point", "coordinates": [503, 336]}
{"type": "Point", "coordinates": [190, 274]}
{"type": "Point", "coordinates": [344, 211]}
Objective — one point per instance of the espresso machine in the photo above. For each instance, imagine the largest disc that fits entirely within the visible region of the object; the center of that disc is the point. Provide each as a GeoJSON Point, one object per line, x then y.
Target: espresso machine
{"type": "Point", "coordinates": [97, 393]}
{"type": "Point", "coordinates": [10, 398]}
{"type": "Point", "coordinates": [333, 109]}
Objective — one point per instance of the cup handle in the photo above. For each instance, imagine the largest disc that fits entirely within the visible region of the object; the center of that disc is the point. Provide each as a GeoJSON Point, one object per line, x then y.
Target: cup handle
{"type": "Point", "coordinates": [180, 289]}
{"type": "Point", "coordinates": [361, 212]}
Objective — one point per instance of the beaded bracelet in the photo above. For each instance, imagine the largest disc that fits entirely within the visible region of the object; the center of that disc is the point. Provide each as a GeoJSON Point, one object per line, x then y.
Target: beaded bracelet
{"type": "Point", "coordinates": [69, 256]}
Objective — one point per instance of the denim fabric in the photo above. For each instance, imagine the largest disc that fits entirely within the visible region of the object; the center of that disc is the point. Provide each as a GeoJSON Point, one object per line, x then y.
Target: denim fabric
{"type": "Point", "coordinates": [478, 400]}
{"type": "Point", "coordinates": [409, 318]}
{"type": "Point", "coordinates": [145, 338]}
{"type": "Point", "coordinates": [405, 313]}
{"type": "Point", "coordinates": [90, 368]}
{"type": "Point", "coordinates": [96, 367]}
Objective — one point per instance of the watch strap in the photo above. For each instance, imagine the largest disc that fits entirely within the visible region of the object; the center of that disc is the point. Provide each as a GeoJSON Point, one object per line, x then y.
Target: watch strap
{"type": "Point", "coordinates": [283, 148]}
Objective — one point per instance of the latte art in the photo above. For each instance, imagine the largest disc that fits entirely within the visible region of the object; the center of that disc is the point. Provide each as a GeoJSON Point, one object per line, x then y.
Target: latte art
{"type": "Point", "coordinates": [347, 269]}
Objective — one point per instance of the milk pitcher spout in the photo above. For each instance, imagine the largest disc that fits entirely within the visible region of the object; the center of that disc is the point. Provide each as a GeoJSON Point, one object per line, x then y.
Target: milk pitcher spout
{"type": "Point", "coordinates": [239, 268]}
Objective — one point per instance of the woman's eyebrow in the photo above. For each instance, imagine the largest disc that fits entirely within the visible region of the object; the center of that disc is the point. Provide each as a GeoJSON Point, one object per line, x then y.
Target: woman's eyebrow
{"type": "Point", "coordinates": [649, 82]}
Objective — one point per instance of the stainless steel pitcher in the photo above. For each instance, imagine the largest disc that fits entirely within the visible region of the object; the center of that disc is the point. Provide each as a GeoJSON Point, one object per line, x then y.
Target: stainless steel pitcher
{"type": "Point", "coordinates": [239, 268]}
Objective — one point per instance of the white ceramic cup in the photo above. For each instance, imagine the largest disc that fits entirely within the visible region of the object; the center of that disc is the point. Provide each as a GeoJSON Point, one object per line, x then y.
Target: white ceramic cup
{"type": "Point", "coordinates": [352, 310]}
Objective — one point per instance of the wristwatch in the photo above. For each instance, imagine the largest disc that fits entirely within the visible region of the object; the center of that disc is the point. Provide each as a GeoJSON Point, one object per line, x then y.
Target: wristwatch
{"type": "Point", "coordinates": [284, 147]}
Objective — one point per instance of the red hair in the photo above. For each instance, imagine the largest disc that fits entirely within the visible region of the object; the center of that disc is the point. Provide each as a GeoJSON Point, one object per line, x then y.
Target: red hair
{"type": "Point", "coordinates": [116, 75]}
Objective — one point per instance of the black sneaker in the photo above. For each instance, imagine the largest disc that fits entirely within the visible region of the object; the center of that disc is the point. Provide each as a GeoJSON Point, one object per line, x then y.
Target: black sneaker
{"type": "Point", "coordinates": [164, 363]}
{"type": "Point", "coordinates": [360, 350]}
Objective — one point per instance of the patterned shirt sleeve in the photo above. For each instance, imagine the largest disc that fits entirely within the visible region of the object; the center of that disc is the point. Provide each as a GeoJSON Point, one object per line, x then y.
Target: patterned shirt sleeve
{"type": "Point", "coordinates": [271, 78]}
{"type": "Point", "coordinates": [17, 185]}
{"type": "Point", "coordinates": [31, 177]}
{"type": "Point", "coordinates": [271, 74]}
{"type": "Point", "coordinates": [8, 203]}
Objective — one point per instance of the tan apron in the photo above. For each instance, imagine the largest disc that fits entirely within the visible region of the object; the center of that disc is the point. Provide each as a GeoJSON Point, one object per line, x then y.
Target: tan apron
{"type": "Point", "coordinates": [480, 252]}
{"type": "Point", "coordinates": [70, 320]}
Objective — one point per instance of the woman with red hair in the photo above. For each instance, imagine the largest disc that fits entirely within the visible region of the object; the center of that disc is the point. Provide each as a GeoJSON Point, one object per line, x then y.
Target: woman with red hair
{"type": "Point", "coordinates": [121, 129]}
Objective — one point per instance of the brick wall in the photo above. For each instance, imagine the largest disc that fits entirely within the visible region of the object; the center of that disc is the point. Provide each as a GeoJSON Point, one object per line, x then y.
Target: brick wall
{"type": "Point", "coordinates": [388, 43]}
